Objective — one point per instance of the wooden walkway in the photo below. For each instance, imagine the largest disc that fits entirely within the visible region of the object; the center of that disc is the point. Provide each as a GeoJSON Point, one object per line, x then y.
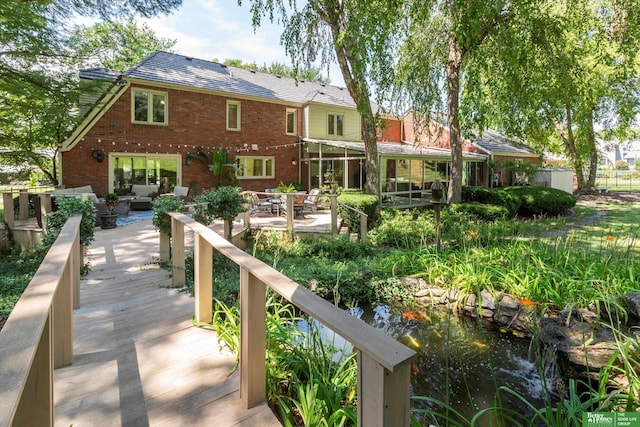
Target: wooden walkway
{"type": "Point", "coordinates": [138, 361]}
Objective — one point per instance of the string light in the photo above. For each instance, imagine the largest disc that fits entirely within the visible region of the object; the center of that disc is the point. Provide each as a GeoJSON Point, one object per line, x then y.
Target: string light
{"type": "Point", "coordinates": [160, 145]}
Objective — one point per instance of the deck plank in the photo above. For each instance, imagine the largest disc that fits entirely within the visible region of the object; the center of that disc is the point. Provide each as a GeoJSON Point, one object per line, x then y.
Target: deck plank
{"type": "Point", "coordinates": [138, 360]}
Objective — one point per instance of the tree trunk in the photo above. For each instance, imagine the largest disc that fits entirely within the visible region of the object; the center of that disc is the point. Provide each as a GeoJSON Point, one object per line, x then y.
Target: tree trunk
{"type": "Point", "coordinates": [348, 56]}
{"type": "Point", "coordinates": [593, 158]}
{"type": "Point", "coordinates": [570, 145]}
{"type": "Point", "coordinates": [452, 68]}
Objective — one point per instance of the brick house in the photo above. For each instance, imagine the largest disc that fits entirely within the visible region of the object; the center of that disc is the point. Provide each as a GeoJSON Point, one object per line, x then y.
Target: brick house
{"type": "Point", "coordinates": [145, 126]}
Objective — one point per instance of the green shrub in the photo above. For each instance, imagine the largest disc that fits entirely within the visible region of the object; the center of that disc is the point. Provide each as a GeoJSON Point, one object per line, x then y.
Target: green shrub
{"type": "Point", "coordinates": [403, 229]}
{"type": "Point", "coordinates": [492, 196]}
{"type": "Point", "coordinates": [542, 200]}
{"type": "Point", "coordinates": [161, 205]}
{"type": "Point", "coordinates": [363, 202]}
{"type": "Point", "coordinates": [68, 207]}
{"type": "Point", "coordinates": [224, 202]}
{"type": "Point", "coordinates": [481, 211]}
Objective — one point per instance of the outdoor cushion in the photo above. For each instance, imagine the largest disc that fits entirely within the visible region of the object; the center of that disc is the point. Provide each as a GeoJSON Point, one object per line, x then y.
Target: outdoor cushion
{"type": "Point", "coordinates": [140, 190]}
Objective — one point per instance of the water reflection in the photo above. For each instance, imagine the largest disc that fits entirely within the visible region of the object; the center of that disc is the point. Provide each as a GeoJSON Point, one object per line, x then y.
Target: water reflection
{"type": "Point", "coordinates": [460, 361]}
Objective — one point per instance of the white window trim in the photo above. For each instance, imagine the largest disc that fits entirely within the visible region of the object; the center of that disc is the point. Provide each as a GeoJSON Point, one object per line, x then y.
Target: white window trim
{"type": "Point", "coordinates": [335, 123]}
{"type": "Point", "coordinates": [149, 120]}
{"type": "Point", "coordinates": [113, 155]}
{"type": "Point", "coordinates": [295, 121]}
{"type": "Point", "coordinates": [238, 104]}
{"type": "Point", "coordinates": [273, 167]}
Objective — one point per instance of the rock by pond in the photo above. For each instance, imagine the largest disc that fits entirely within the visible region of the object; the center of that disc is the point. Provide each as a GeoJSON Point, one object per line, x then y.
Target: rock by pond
{"type": "Point", "coordinates": [581, 343]}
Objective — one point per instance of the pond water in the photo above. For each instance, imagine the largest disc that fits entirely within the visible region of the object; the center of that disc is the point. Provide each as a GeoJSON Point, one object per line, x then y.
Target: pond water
{"type": "Point", "coordinates": [460, 361]}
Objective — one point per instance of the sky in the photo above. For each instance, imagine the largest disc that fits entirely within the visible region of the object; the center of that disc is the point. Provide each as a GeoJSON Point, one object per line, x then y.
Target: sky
{"type": "Point", "coordinates": [220, 29]}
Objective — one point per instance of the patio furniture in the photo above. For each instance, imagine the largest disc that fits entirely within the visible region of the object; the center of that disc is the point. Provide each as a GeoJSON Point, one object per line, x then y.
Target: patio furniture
{"type": "Point", "coordinates": [310, 203]}
{"type": "Point", "coordinates": [143, 196]}
{"type": "Point", "coordinates": [258, 205]}
{"type": "Point", "coordinates": [178, 192]}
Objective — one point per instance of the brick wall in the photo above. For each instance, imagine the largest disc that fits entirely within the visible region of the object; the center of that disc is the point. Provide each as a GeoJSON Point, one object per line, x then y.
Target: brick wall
{"type": "Point", "coordinates": [195, 119]}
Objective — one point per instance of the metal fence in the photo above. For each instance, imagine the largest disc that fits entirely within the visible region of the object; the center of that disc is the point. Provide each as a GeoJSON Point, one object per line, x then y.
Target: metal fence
{"type": "Point", "coordinates": [618, 180]}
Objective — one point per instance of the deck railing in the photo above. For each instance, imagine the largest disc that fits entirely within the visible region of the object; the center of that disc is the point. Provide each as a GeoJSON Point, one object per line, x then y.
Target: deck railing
{"type": "Point", "coordinates": [37, 336]}
{"type": "Point", "coordinates": [383, 362]}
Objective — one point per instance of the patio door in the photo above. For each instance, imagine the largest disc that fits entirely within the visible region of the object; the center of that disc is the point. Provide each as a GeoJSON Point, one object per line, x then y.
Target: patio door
{"type": "Point", "coordinates": [126, 169]}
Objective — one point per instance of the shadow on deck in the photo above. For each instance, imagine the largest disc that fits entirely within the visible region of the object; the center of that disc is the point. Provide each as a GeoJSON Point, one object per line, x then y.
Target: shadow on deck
{"type": "Point", "coordinates": [138, 361]}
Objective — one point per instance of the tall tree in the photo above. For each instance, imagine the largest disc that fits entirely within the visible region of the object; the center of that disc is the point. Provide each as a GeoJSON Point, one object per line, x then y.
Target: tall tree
{"type": "Point", "coordinates": [356, 33]}
{"type": "Point", "coordinates": [38, 88]}
{"type": "Point", "coordinates": [115, 45]}
{"type": "Point", "coordinates": [562, 73]}
{"type": "Point", "coordinates": [442, 38]}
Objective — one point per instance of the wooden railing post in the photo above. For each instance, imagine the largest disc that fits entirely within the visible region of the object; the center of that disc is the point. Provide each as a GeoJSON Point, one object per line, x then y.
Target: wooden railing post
{"type": "Point", "coordinates": [363, 227]}
{"type": "Point", "coordinates": [383, 396]}
{"type": "Point", "coordinates": [9, 213]}
{"type": "Point", "coordinates": [178, 277]}
{"type": "Point", "coordinates": [24, 205]}
{"type": "Point", "coordinates": [290, 213]}
{"type": "Point", "coordinates": [334, 214]}
{"type": "Point", "coordinates": [62, 309]}
{"type": "Point", "coordinates": [36, 402]}
{"type": "Point", "coordinates": [253, 344]}
{"type": "Point", "coordinates": [165, 247]}
{"type": "Point", "coordinates": [76, 264]}
{"type": "Point", "coordinates": [203, 279]}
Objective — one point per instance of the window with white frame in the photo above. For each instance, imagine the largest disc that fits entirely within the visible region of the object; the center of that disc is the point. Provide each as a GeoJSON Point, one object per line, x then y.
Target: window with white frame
{"type": "Point", "coordinates": [149, 107]}
{"type": "Point", "coordinates": [292, 121]}
{"type": "Point", "coordinates": [255, 167]}
{"type": "Point", "coordinates": [233, 115]}
{"type": "Point", "coordinates": [335, 124]}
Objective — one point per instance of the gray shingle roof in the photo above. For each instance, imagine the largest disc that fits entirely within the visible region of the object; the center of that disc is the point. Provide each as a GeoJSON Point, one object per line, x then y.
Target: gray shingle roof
{"type": "Point", "coordinates": [99, 73]}
{"type": "Point", "coordinates": [496, 143]}
{"type": "Point", "coordinates": [170, 68]}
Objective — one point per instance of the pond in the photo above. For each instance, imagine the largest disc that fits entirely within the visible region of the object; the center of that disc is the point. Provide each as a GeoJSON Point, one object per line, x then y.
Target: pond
{"type": "Point", "coordinates": [460, 360]}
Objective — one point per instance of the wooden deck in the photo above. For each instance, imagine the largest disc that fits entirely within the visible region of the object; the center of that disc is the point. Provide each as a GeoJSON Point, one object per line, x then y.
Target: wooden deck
{"type": "Point", "coordinates": [138, 361]}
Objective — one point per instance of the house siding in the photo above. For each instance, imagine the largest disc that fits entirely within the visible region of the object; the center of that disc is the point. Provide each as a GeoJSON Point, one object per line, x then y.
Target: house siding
{"type": "Point", "coordinates": [317, 123]}
{"type": "Point", "coordinates": [194, 119]}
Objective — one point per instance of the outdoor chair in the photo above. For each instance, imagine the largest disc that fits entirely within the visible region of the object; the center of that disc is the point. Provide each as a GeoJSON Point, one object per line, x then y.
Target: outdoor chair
{"type": "Point", "coordinates": [311, 201]}
{"type": "Point", "coordinates": [178, 192]}
{"type": "Point", "coordinates": [258, 205]}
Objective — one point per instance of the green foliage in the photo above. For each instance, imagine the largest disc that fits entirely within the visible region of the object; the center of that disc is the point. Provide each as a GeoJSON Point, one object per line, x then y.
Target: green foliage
{"type": "Point", "coordinates": [111, 201]}
{"type": "Point", "coordinates": [492, 196]}
{"type": "Point", "coordinates": [286, 188]}
{"type": "Point", "coordinates": [403, 228]}
{"type": "Point", "coordinates": [39, 85]}
{"type": "Point", "coordinates": [223, 202]}
{"type": "Point", "coordinates": [115, 45]}
{"type": "Point", "coordinates": [68, 207]}
{"type": "Point", "coordinates": [481, 211]}
{"type": "Point", "coordinates": [524, 172]}
{"type": "Point", "coordinates": [308, 379]}
{"type": "Point", "coordinates": [16, 271]}
{"type": "Point", "coordinates": [543, 201]}
{"type": "Point", "coordinates": [161, 205]}
{"type": "Point", "coordinates": [363, 202]}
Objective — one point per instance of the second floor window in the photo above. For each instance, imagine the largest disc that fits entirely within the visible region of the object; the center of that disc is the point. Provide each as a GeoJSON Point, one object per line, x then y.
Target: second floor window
{"type": "Point", "coordinates": [149, 107]}
{"type": "Point", "coordinates": [233, 115]}
{"type": "Point", "coordinates": [335, 124]}
{"type": "Point", "coordinates": [292, 121]}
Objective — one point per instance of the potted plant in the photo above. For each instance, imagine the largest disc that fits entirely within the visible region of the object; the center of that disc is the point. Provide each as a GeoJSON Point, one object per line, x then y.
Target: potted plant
{"type": "Point", "coordinates": [108, 220]}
